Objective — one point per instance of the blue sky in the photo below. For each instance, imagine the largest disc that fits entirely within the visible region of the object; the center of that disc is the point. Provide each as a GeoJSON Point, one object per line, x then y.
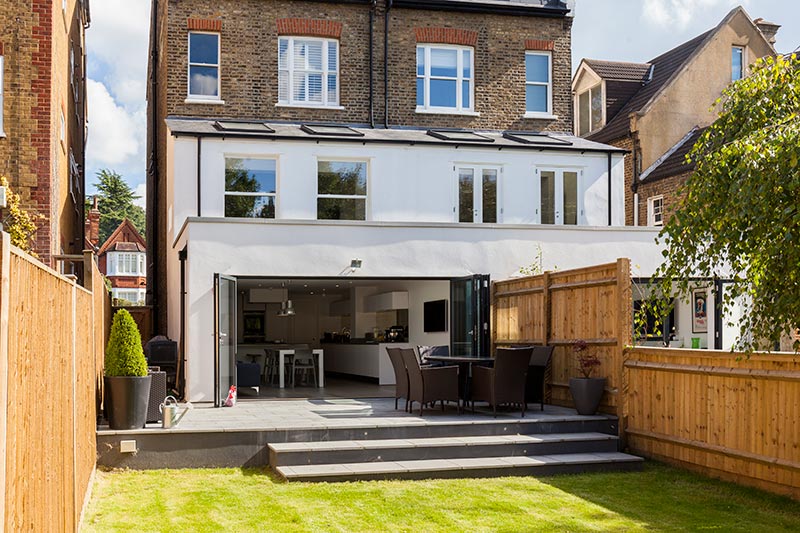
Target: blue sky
{"type": "Point", "coordinates": [623, 30]}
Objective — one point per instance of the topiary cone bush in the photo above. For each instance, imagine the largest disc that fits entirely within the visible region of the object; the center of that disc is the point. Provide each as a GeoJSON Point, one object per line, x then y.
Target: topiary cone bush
{"type": "Point", "coordinates": [124, 354]}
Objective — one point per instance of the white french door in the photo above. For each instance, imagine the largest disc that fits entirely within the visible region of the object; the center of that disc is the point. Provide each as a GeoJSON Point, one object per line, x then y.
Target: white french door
{"type": "Point", "coordinates": [477, 194]}
{"type": "Point", "coordinates": [558, 196]}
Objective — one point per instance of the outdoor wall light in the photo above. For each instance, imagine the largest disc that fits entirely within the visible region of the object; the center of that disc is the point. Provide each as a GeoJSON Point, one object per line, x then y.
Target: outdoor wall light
{"type": "Point", "coordinates": [355, 264]}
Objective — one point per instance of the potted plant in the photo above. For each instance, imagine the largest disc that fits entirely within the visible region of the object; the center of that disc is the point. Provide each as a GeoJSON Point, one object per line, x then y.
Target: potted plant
{"type": "Point", "coordinates": [127, 384]}
{"type": "Point", "coordinates": [586, 390]}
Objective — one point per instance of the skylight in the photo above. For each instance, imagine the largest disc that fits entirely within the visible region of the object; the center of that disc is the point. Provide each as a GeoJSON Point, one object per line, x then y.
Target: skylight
{"type": "Point", "coordinates": [254, 127]}
{"type": "Point", "coordinates": [332, 130]}
{"type": "Point", "coordinates": [535, 138]}
{"type": "Point", "coordinates": [460, 135]}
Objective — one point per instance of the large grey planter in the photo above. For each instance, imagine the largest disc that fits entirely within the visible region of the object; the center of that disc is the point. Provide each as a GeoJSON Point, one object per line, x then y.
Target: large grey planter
{"type": "Point", "coordinates": [587, 393]}
{"type": "Point", "coordinates": [126, 401]}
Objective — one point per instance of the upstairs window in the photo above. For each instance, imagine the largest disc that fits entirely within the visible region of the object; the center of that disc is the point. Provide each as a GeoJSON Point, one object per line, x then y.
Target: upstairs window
{"type": "Point", "coordinates": [250, 188]}
{"type": "Point", "coordinates": [655, 211]}
{"type": "Point", "coordinates": [308, 71]}
{"type": "Point", "coordinates": [445, 80]}
{"type": "Point", "coordinates": [737, 63]}
{"type": "Point", "coordinates": [342, 190]}
{"type": "Point", "coordinates": [126, 264]}
{"type": "Point", "coordinates": [590, 110]}
{"type": "Point", "coordinates": [538, 84]}
{"type": "Point", "coordinates": [204, 66]}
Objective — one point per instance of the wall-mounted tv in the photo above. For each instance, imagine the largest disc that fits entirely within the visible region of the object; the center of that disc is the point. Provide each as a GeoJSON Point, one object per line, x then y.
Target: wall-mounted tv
{"type": "Point", "coordinates": [435, 316]}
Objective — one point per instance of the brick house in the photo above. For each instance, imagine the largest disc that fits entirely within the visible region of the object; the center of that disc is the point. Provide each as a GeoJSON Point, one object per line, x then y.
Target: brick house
{"type": "Point", "coordinates": [358, 161]}
{"type": "Point", "coordinates": [658, 109]}
{"type": "Point", "coordinates": [122, 259]}
{"type": "Point", "coordinates": [43, 117]}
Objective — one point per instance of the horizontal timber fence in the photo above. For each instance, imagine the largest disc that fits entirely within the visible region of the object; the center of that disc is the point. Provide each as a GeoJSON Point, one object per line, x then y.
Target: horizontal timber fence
{"type": "Point", "coordinates": [52, 340]}
{"type": "Point", "coordinates": [718, 413]}
{"type": "Point", "coordinates": [557, 308]}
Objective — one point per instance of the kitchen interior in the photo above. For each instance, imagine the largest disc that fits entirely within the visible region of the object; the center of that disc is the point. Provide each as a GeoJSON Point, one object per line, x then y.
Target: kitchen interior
{"type": "Point", "coordinates": [352, 320]}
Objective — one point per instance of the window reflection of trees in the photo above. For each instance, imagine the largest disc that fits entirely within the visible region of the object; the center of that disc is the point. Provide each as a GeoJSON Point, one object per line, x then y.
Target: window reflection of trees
{"type": "Point", "coordinates": [239, 179]}
{"type": "Point", "coordinates": [345, 179]}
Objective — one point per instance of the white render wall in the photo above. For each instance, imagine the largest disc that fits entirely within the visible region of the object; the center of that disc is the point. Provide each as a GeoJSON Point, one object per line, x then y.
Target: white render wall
{"type": "Point", "coordinates": [405, 183]}
{"type": "Point", "coordinates": [318, 249]}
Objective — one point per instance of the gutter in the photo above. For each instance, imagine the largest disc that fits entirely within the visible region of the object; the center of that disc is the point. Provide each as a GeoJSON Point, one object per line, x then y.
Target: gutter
{"type": "Point", "coordinates": [509, 8]}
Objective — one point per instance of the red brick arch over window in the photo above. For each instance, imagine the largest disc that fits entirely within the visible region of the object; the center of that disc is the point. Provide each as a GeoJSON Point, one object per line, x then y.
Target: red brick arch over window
{"type": "Point", "coordinates": [446, 36]}
{"type": "Point", "coordinates": [310, 28]}
{"type": "Point", "coordinates": [204, 24]}
{"type": "Point", "coordinates": [539, 44]}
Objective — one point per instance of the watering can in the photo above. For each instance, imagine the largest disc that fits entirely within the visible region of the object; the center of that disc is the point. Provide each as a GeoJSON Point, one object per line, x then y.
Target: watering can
{"type": "Point", "coordinates": [169, 412]}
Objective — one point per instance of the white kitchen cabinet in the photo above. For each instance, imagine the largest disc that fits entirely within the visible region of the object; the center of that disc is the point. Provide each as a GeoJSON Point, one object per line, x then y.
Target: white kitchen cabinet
{"type": "Point", "coordinates": [387, 301]}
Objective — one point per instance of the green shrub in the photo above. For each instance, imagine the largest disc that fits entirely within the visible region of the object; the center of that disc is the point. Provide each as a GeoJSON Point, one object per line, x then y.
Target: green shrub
{"type": "Point", "coordinates": [124, 354]}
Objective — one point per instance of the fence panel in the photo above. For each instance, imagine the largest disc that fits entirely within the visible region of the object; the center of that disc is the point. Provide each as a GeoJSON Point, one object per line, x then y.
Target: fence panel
{"type": "Point", "coordinates": [718, 413]}
{"type": "Point", "coordinates": [50, 351]}
{"type": "Point", "coordinates": [558, 308]}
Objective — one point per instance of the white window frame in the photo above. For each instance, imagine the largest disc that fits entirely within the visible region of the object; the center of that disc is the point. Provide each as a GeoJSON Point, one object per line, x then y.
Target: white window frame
{"type": "Point", "coordinates": [288, 100]}
{"type": "Point", "coordinates": [744, 62]}
{"type": "Point", "coordinates": [203, 98]}
{"type": "Point", "coordinates": [655, 218]}
{"type": "Point", "coordinates": [119, 293]}
{"type": "Point", "coordinates": [133, 259]}
{"type": "Point", "coordinates": [477, 191]}
{"type": "Point", "coordinates": [541, 114]}
{"type": "Point", "coordinates": [364, 197]}
{"type": "Point", "coordinates": [2, 70]}
{"type": "Point", "coordinates": [558, 194]}
{"type": "Point", "coordinates": [235, 193]}
{"type": "Point", "coordinates": [592, 127]}
{"type": "Point", "coordinates": [426, 107]}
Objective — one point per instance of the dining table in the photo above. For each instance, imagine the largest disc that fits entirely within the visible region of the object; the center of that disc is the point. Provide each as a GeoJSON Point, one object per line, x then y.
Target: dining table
{"type": "Point", "coordinates": [284, 351]}
{"type": "Point", "coordinates": [465, 363]}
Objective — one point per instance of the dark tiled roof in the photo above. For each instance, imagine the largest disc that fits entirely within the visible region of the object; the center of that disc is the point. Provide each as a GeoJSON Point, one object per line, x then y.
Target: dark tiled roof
{"type": "Point", "coordinates": [673, 162]}
{"type": "Point", "coordinates": [618, 70]}
{"type": "Point", "coordinates": [295, 132]}
{"type": "Point", "coordinates": [127, 247]}
{"type": "Point", "coordinates": [619, 93]}
{"type": "Point", "coordinates": [664, 67]}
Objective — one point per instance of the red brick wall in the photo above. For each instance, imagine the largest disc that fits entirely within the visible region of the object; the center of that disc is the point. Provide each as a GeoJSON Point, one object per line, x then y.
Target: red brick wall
{"type": "Point", "coordinates": [666, 187]}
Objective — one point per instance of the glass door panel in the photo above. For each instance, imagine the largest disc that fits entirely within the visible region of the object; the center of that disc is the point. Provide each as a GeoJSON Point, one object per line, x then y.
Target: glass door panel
{"type": "Point", "coordinates": [548, 197]}
{"type": "Point", "coordinates": [466, 194]}
{"type": "Point", "coordinates": [462, 316]}
{"type": "Point", "coordinates": [224, 336]}
{"type": "Point", "coordinates": [489, 196]}
{"type": "Point", "coordinates": [570, 198]}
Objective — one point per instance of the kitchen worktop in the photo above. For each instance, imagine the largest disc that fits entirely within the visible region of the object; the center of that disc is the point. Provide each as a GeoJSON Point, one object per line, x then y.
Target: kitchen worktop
{"type": "Point", "coordinates": [362, 359]}
{"type": "Point", "coordinates": [363, 341]}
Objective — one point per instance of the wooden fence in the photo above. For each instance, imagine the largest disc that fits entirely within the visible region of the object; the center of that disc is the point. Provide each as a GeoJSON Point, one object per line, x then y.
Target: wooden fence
{"type": "Point", "coordinates": [718, 413]}
{"type": "Point", "coordinates": [558, 308]}
{"type": "Point", "coordinates": [52, 340]}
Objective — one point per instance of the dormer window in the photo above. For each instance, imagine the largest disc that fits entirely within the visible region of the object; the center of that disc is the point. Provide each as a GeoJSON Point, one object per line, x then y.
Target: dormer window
{"type": "Point", "coordinates": [308, 72]}
{"type": "Point", "coordinates": [445, 79]}
{"type": "Point", "coordinates": [590, 110]}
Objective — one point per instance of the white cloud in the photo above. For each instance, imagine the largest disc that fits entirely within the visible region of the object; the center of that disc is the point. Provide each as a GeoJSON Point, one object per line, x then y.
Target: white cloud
{"type": "Point", "coordinates": [678, 14]}
{"type": "Point", "coordinates": [115, 135]}
{"type": "Point", "coordinates": [141, 192]}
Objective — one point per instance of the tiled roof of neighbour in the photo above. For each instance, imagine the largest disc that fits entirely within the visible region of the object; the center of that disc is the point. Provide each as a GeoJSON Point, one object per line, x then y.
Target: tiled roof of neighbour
{"type": "Point", "coordinates": [126, 247]}
{"type": "Point", "coordinates": [664, 67]}
{"type": "Point", "coordinates": [673, 162]}
{"type": "Point", "coordinates": [555, 6]}
{"type": "Point", "coordinates": [297, 132]}
{"type": "Point", "coordinates": [619, 70]}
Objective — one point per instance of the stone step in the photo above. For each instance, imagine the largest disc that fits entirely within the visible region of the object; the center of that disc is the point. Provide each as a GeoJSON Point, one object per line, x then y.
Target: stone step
{"type": "Point", "coordinates": [538, 465]}
{"type": "Point", "coordinates": [388, 450]}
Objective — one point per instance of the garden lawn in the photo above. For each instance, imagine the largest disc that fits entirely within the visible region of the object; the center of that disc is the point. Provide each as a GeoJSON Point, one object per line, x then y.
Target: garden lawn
{"type": "Point", "coordinates": [659, 498]}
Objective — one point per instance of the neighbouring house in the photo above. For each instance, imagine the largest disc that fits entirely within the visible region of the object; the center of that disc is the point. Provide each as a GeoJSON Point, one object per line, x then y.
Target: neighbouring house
{"type": "Point", "coordinates": [122, 258]}
{"type": "Point", "coordinates": [43, 119]}
{"type": "Point", "coordinates": [359, 170]}
{"type": "Point", "coordinates": [657, 110]}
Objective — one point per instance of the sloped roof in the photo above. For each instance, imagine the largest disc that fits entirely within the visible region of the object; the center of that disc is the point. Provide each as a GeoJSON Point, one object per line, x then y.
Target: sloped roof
{"type": "Point", "coordinates": [664, 68]}
{"type": "Point", "coordinates": [673, 162]}
{"type": "Point", "coordinates": [126, 233]}
{"type": "Point", "coordinates": [619, 70]}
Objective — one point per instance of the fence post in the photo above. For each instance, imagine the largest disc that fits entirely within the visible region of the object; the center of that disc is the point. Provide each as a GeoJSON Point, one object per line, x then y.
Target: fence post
{"type": "Point", "coordinates": [546, 320]}
{"type": "Point", "coordinates": [624, 333]}
{"type": "Point", "coordinates": [88, 270]}
{"type": "Point", "coordinates": [5, 288]}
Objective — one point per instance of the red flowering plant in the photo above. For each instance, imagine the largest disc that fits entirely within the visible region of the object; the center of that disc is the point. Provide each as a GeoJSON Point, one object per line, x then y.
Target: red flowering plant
{"type": "Point", "coordinates": [587, 361]}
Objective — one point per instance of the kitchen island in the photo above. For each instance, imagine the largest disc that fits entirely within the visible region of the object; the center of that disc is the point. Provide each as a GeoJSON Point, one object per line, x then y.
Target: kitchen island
{"type": "Point", "coordinates": [363, 359]}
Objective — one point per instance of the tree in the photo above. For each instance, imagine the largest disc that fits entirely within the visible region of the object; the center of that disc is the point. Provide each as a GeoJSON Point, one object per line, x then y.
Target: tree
{"type": "Point", "coordinates": [115, 202]}
{"type": "Point", "coordinates": [739, 217]}
{"type": "Point", "coordinates": [19, 224]}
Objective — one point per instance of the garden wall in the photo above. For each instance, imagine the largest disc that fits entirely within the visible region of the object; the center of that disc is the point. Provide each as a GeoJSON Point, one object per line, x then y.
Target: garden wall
{"type": "Point", "coordinates": [558, 308]}
{"type": "Point", "coordinates": [718, 413]}
{"type": "Point", "coordinates": [52, 340]}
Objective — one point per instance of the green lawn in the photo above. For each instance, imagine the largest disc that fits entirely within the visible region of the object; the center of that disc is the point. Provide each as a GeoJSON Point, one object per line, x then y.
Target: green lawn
{"type": "Point", "coordinates": [659, 498]}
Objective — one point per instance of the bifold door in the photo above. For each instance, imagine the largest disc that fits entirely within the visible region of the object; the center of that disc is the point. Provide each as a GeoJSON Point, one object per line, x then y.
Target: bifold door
{"type": "Point", "coordinates": [224, 336]}
{"type": "Point", "coordinates": [469, 315]}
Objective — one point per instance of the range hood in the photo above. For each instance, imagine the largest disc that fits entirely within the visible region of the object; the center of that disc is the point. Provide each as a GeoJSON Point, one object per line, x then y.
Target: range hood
{"type": "Point", "coordinates": [286, 309]}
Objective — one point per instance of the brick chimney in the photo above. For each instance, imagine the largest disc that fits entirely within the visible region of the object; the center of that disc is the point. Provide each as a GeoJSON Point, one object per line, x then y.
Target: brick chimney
{"type": "Point", "coordinates": [769, 29]}
{"type": "Point", "coordinates": [93, 224]}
